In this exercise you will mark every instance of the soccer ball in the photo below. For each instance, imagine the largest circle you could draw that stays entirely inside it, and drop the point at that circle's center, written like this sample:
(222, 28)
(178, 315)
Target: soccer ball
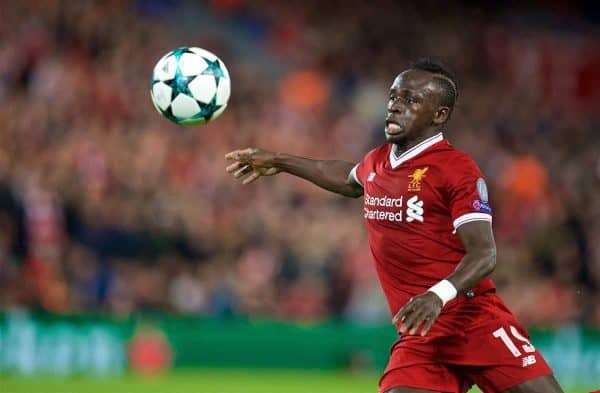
(190, 86)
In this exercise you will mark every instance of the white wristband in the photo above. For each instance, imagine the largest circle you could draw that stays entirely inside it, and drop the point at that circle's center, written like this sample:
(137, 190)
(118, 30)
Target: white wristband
(445, 291)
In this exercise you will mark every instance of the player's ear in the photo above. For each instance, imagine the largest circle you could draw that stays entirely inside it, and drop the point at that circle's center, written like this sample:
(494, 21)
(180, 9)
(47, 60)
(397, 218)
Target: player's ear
(441, 115)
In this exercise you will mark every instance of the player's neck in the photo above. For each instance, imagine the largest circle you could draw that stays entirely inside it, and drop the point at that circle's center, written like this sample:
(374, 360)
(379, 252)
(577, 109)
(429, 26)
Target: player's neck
(410, 143)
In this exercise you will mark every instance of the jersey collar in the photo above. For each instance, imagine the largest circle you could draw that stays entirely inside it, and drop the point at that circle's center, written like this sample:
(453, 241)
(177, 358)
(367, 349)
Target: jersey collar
(413, 151)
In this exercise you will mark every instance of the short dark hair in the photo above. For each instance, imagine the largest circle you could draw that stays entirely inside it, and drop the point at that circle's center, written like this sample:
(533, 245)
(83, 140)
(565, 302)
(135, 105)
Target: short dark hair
(445, 77)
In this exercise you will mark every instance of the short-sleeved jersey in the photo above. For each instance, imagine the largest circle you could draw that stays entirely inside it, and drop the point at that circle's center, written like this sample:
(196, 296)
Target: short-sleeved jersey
(413, 204)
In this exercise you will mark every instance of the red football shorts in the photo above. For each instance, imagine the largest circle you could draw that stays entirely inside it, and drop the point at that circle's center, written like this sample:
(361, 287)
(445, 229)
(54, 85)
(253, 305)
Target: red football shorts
(474, 341)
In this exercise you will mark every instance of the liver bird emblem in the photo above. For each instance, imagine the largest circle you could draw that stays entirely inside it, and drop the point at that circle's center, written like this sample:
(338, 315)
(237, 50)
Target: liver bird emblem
(417, 176)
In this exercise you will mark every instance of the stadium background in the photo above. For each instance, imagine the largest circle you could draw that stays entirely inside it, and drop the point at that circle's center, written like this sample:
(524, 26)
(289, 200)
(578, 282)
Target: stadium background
(126, 251)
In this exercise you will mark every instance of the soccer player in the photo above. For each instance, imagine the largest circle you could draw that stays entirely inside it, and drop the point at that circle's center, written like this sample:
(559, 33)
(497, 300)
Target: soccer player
(429, 226)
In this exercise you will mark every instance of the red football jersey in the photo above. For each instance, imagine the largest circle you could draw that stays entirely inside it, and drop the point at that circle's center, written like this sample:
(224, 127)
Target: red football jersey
(413, 204)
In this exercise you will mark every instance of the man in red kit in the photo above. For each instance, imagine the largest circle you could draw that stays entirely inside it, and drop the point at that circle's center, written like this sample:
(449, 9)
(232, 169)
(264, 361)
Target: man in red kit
(429, 225)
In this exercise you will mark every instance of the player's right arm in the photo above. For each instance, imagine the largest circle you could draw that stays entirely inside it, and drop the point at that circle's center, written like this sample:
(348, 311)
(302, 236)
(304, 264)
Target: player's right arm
(332, 175)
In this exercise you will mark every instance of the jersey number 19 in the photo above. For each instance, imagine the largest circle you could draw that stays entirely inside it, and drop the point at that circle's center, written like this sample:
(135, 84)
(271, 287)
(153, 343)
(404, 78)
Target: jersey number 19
(503, 335)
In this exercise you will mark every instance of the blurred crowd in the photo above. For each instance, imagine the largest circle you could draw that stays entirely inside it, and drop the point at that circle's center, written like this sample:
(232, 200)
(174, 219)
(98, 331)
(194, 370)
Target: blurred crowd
(107, 207)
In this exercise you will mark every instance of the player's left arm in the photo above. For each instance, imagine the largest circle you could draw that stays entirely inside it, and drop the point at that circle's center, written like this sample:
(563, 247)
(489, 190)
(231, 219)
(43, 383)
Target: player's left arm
(480, 258)
(472, 220)
(479, 262)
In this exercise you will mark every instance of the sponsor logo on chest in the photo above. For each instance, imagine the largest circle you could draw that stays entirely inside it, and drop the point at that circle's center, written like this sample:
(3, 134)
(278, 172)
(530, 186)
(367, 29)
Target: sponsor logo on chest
(396, 208)
(387, 208)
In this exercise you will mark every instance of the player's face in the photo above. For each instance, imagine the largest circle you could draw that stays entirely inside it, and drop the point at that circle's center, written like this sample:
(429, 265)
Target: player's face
(413, 106)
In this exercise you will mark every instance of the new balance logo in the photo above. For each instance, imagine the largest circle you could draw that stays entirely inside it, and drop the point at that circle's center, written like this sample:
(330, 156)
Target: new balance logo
(529, 360)
(371, 176)
(414, 209)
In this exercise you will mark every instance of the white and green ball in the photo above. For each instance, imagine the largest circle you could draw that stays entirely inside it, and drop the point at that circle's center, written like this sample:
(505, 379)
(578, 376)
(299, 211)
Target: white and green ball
(190, 86)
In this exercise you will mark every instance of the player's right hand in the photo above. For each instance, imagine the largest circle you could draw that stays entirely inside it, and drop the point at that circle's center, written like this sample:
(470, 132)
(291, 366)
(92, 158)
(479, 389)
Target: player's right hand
(251, 163)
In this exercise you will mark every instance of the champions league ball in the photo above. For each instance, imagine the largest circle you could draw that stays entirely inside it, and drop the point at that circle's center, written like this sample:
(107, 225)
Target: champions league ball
(190, 86)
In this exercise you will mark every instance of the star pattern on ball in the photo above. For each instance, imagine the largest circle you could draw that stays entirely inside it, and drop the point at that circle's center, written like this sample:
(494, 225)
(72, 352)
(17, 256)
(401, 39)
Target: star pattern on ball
(207, 110)
(168, 113)
(213, 68)
(211, 107)
(180, 51)
(179, 84)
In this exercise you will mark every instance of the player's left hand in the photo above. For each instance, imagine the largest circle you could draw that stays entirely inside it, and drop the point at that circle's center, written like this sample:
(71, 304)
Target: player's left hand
(421, 309)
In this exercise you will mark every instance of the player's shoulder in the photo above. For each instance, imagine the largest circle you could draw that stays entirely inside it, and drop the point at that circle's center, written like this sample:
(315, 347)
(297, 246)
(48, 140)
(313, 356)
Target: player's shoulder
(378, 153)
(451, 158)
